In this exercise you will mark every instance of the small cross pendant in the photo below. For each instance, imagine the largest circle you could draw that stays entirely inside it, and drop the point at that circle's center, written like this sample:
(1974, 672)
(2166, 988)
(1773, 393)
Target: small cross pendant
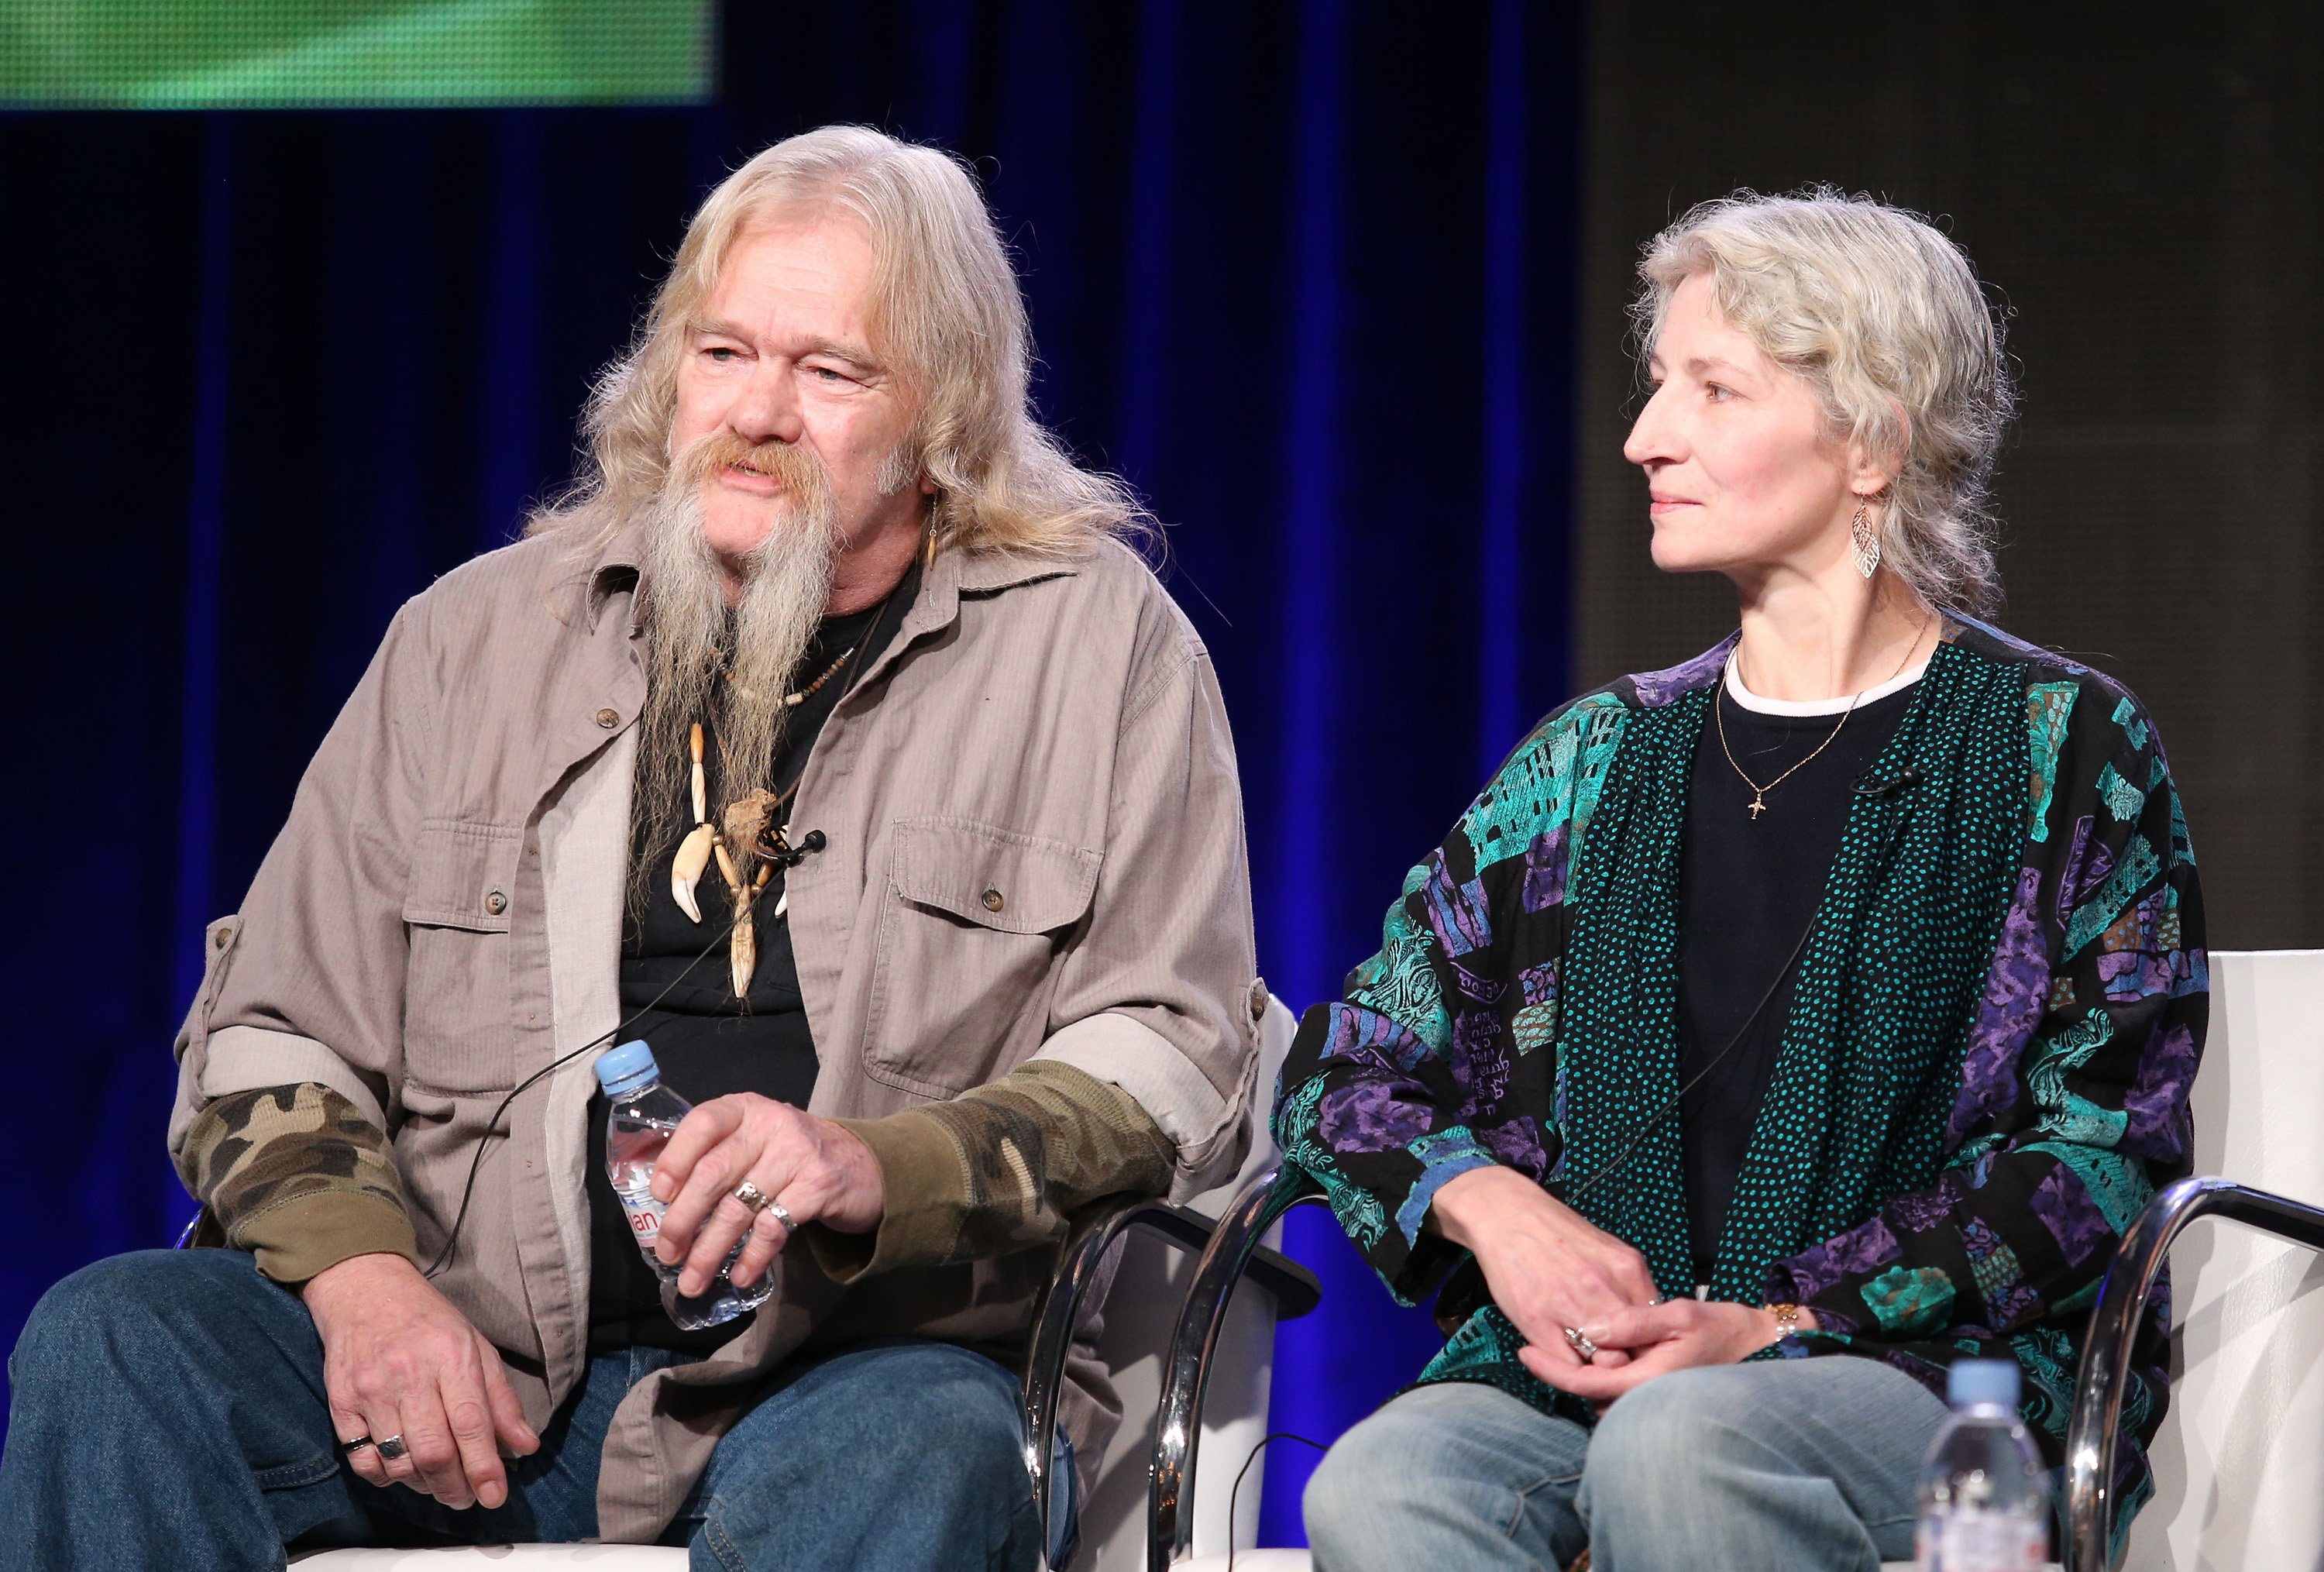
(1758, 806)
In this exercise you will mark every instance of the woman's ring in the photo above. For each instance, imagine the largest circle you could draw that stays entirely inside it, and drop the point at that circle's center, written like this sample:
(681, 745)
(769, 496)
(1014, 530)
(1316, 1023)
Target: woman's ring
(1579, 1341)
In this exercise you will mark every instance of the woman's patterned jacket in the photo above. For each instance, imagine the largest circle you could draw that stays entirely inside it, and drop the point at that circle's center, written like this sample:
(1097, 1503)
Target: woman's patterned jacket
(1983, 1079)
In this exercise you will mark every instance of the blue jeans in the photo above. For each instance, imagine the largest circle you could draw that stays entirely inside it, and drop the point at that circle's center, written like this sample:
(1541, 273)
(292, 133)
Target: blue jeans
(1807, 1462)
(167, 1409)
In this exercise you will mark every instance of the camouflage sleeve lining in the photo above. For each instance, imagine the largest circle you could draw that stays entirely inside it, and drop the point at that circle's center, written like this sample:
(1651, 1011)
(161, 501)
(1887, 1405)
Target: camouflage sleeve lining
(298, 1177)
(998, 1169)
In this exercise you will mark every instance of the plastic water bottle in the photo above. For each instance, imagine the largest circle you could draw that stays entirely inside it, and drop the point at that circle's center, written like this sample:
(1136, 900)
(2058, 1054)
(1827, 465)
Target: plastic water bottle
(1985, 1496)
(642, 1115)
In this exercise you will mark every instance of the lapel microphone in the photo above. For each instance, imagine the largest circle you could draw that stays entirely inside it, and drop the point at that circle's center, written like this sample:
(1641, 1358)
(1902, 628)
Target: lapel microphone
(1907, 780)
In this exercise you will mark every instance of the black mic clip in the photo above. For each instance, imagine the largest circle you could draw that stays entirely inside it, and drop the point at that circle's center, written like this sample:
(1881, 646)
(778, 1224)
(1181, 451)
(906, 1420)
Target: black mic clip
(778, 851)
(1907, 780)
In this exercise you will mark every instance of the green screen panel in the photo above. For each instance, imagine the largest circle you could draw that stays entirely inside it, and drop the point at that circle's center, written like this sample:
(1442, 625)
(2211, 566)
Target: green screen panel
(214, 54)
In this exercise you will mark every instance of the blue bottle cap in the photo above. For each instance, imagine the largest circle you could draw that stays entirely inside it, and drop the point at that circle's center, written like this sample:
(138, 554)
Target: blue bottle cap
(621, 1069)
(1983, 1380)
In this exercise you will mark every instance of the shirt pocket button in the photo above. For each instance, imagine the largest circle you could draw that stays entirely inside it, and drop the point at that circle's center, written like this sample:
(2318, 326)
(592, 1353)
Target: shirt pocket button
(993, 900)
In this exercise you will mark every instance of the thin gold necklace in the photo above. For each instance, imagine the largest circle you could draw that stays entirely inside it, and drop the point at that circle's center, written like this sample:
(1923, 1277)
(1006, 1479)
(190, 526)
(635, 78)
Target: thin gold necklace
(1758, 804)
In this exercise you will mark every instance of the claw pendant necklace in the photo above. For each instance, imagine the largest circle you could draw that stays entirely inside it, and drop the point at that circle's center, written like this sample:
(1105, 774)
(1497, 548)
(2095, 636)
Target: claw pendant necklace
(750, 826)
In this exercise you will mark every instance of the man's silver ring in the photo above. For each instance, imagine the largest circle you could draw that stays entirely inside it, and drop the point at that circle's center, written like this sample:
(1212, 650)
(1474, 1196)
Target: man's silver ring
(1579, 1341)
(757, 1201)
(392, 1447)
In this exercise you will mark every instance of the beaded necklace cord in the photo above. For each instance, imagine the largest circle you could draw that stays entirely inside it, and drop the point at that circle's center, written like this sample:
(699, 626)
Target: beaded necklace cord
(793, 700)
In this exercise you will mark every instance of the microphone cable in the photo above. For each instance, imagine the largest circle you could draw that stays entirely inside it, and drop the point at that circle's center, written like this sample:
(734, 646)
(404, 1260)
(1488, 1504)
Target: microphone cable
(1235, 1495)
(492, 1126)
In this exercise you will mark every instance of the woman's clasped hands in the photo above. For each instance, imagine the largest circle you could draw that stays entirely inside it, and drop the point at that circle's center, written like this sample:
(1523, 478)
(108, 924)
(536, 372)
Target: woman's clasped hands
(1551, 1272)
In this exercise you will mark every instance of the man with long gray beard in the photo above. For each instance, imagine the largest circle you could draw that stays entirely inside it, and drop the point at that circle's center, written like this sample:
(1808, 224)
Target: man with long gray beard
(829, 739)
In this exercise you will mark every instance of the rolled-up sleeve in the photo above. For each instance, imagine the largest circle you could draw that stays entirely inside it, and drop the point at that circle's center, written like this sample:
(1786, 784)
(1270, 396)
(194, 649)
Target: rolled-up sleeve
(1157, 995)
(306, 983)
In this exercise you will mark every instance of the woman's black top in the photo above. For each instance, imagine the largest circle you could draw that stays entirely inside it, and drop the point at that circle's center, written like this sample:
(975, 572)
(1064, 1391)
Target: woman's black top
(707, 1042)
(1748, 888)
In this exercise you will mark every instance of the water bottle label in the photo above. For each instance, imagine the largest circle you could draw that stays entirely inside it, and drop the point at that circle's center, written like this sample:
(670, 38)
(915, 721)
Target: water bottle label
(645, 1215)
(1965, 1540)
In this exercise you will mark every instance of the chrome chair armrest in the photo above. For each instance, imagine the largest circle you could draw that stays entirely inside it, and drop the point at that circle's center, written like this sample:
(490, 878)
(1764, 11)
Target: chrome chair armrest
(2105, 1371)
(1178, 1424)
(1096, 1232)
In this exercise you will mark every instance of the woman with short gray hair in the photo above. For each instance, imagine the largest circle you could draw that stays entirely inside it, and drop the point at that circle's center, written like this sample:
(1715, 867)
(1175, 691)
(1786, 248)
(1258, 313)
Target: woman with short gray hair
(1780, 1029)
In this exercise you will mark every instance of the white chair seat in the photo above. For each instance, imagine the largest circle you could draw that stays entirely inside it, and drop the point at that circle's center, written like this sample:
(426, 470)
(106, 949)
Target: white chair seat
(501, 1558)
(1299, 1561)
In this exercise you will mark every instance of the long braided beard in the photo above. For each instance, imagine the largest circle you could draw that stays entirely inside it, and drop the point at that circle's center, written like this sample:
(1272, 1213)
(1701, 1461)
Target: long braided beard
(726, 666)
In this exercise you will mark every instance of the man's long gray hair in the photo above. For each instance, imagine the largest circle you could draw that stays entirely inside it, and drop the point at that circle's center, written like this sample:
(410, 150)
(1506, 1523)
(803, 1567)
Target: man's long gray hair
(726, 668)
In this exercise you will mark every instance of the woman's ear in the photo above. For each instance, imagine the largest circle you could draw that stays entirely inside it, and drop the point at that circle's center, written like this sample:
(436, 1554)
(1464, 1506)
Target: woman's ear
(1875, 459)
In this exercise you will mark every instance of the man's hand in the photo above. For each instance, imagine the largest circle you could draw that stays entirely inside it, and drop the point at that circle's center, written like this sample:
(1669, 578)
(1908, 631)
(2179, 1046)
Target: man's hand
(399, 1359)
(1547, 1268)
(819, 1171)
(1658, 1339)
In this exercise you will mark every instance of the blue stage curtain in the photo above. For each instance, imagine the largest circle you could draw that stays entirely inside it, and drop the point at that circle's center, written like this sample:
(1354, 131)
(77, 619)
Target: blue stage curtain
(1305, 273)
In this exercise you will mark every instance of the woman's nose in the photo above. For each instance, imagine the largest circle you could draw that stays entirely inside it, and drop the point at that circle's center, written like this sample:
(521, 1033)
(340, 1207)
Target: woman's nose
(1652, 440)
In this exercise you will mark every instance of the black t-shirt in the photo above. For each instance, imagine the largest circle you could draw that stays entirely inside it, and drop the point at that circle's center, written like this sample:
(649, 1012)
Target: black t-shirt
(707, 1042)
(1748, 888)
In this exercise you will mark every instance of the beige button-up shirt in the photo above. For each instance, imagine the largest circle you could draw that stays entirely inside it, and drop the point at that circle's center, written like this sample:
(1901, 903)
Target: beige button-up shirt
(1033, 848)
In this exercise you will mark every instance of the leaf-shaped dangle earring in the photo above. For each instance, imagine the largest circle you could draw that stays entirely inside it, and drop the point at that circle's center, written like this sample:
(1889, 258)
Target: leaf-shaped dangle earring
(1864, 535)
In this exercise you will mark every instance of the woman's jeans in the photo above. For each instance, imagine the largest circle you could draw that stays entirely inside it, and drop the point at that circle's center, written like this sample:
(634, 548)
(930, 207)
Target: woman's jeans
(1786, 1463)
(167, 1409)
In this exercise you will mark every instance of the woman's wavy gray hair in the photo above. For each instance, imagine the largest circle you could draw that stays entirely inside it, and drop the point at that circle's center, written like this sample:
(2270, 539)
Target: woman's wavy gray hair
(947, 315)
(1883, 315)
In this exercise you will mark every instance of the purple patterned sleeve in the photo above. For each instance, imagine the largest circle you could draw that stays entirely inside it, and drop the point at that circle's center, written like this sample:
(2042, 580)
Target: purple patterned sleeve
(2016, 990)
(1373, 1115)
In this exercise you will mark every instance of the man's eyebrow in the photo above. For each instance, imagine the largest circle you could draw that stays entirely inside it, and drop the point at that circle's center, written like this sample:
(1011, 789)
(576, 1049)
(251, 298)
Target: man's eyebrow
(855, 354)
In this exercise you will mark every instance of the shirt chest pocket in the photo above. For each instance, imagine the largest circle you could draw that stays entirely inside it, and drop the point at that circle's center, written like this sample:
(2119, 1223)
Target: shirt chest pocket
(976, 921)
(456, 911)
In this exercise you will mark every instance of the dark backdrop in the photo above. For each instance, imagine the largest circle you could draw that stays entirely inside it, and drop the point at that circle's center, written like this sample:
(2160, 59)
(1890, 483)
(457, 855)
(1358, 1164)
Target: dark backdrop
(2140, 185)
(1303, 271)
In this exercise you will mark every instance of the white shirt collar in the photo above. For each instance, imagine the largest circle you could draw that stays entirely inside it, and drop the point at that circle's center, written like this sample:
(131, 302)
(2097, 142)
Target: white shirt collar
(1747, 699)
